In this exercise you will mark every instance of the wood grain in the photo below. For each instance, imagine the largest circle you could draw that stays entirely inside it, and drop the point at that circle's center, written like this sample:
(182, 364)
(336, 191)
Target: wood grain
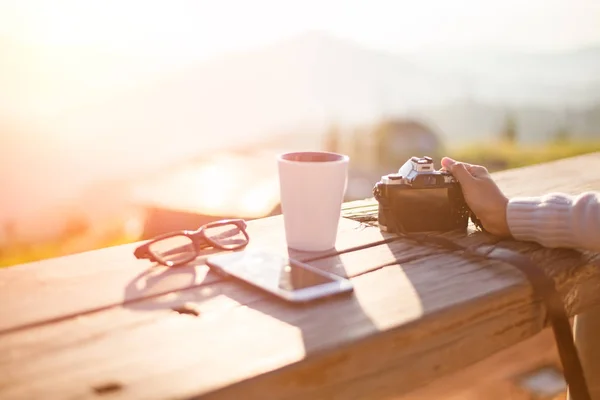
(497, 376)
(418, 313)
(63, 287)
(405, 326)
(239, 334)
(573, 175)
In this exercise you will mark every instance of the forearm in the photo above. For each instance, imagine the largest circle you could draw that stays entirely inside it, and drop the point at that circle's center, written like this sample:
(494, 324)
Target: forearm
(557, 220)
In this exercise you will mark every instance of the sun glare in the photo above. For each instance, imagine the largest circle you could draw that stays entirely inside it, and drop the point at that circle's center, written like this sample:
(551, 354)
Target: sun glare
(96, 91)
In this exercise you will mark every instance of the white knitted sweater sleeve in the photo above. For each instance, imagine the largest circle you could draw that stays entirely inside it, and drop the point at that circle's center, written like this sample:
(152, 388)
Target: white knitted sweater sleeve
(557, 220)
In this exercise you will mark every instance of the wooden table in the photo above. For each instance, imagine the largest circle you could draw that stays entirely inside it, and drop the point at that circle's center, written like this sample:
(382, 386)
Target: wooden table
(102, 324)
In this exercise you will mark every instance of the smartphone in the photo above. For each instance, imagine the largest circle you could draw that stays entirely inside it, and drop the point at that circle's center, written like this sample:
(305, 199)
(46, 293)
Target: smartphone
(286, 278)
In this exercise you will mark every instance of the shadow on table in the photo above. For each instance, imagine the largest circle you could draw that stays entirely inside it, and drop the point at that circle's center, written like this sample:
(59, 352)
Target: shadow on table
(160, 287)
(322, 323)
(388, 293)
(399, 291)
(394, 294)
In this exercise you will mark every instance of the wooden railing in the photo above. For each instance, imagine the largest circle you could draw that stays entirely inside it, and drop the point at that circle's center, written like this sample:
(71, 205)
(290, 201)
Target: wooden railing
(103, 323)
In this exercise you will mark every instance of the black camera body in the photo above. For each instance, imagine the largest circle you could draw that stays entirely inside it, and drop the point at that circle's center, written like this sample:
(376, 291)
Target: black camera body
(420, 199)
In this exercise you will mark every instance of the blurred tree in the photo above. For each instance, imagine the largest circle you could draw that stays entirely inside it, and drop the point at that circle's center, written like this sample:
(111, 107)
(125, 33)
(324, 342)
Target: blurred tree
(10, 231)
(562, 135)
(509, 132)
(76, 225)
(398, 139)
(381, 133)
(332, 139)
(356, 148)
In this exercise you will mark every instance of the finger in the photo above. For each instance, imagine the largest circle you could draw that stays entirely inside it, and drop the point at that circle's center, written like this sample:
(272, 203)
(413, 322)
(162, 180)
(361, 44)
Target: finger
(461, 173)
(459, 170)
(447, 162)
(478, 171)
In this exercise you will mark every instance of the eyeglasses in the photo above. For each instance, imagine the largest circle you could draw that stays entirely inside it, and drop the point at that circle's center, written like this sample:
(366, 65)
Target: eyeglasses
(180, 247)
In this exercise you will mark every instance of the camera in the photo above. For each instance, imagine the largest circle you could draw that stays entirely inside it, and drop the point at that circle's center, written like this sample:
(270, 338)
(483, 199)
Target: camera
(420, 199)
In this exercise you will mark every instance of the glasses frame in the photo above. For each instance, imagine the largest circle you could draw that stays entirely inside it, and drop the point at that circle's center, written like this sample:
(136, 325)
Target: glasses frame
(199, 241)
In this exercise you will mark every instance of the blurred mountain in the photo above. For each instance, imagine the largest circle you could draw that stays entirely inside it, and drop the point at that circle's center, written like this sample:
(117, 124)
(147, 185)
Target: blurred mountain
(315, 79)
(74, 118)
(311, 80)
(557, 79)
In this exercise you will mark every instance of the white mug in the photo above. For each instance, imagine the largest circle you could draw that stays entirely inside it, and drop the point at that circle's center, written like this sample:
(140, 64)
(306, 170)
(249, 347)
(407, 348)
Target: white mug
(312, 188)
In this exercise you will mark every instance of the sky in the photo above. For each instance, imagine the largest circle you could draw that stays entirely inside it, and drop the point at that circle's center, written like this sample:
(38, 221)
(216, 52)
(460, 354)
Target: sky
(185, 29)
(124, 43)
(56, 55)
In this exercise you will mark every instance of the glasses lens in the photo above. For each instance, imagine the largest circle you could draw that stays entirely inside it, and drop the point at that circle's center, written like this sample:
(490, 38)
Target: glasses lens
(174, 250)
(228, 236)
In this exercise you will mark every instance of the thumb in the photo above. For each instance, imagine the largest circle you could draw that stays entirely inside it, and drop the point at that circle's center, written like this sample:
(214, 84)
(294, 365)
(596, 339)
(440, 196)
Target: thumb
(458, 170)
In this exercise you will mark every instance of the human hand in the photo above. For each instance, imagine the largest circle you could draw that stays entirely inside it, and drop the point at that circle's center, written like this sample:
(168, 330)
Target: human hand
(482, 195)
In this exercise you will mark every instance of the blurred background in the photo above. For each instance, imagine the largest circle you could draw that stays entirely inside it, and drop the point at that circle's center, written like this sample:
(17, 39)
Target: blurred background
(123, 119)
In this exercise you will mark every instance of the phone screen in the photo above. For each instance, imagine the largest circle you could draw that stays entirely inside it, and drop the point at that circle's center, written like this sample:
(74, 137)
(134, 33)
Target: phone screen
(270, 270)
(293, 277)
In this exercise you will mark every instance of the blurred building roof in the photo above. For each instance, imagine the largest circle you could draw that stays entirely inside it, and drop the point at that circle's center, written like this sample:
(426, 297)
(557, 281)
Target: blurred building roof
(226, 184)
(244, 185)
